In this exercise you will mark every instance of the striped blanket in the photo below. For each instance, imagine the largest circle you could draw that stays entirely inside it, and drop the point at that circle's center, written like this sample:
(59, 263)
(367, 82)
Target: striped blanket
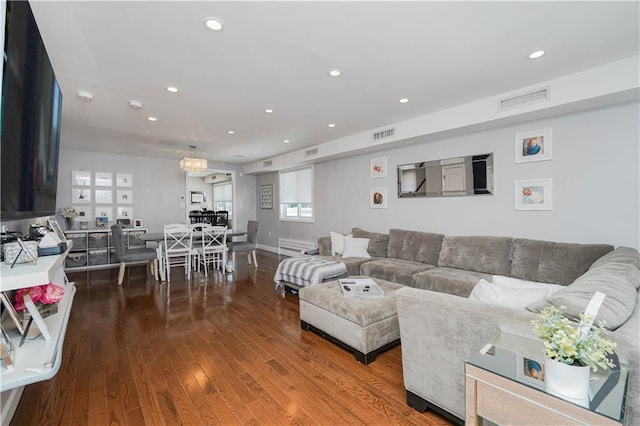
(304, 271)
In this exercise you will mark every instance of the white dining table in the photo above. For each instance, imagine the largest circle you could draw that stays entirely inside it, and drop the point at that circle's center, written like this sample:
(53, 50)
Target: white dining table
(159, 238)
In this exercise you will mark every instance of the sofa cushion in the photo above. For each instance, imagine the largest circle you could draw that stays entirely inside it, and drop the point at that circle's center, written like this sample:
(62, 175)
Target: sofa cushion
(413, 245)
(551, 262)
(356, 247)
(337, 243)
(518, 283)
(448, 280)
(510, 297)
(378, 243)
(619, 255)
(395, 270)
(352, 263)
(491, 255)
(618, 281)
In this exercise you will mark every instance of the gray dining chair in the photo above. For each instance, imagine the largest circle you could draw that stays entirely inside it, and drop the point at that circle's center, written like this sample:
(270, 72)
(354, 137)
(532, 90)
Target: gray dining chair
(130, 255)
(248, 246)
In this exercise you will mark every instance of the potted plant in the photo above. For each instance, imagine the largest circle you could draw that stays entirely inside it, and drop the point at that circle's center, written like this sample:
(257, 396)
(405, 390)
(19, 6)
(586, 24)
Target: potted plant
(572, 350)
(69, 214)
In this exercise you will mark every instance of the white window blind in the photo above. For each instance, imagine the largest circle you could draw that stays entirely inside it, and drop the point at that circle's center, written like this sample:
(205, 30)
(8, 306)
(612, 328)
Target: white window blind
(296, 194)
(223, 197)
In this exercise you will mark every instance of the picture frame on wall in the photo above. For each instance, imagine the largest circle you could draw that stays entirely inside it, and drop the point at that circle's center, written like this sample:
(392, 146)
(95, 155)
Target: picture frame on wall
(137, 223)
(124, 196)
(79, 195)
(104, 196)
(533, 194)
(85, 213)
(378, 168)
(80, 178)
(104, 179)
(124, 213)
(266, 196)
(105, 211)
(124, 180)
(378, 198)
(535, 145)
(198, 197)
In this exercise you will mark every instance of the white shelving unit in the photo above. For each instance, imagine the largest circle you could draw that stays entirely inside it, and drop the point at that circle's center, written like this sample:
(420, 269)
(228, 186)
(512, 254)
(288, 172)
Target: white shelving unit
(36, 360)
(93, 248)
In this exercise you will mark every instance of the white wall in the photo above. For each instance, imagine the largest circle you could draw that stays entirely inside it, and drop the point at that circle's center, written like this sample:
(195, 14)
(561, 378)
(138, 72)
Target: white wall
(595, 186)
(158, 185)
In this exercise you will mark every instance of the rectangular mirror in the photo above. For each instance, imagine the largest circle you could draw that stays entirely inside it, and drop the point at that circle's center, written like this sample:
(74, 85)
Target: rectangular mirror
(450, 177)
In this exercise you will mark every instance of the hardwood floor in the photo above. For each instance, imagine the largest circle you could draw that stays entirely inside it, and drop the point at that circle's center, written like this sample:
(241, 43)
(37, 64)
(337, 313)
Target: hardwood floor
(219, 350)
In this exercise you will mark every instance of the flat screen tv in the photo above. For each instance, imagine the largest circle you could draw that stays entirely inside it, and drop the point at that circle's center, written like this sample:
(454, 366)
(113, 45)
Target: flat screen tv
(30, 118)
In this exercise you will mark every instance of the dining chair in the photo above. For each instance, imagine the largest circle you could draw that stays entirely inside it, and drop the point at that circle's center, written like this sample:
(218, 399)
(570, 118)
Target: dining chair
(178, 248)
(211, 247)
(130, 255)
(248, 246)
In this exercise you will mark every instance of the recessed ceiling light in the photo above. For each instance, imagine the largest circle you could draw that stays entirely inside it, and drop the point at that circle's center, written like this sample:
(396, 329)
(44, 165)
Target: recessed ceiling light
(536, 54)
(332, 125)
(286, 141)
(172, 89)
(213, 24)
(135, 104)
(231, 132)
(152, 119)
(335, 73)
(239, 156)
(268, 111)
(403, 100)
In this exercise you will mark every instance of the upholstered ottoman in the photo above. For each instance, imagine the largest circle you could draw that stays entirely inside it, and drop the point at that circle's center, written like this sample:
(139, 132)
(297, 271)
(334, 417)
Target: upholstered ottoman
(366, 326)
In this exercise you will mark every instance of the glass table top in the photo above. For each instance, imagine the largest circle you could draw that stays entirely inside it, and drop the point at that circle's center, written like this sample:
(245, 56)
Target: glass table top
(522, 360)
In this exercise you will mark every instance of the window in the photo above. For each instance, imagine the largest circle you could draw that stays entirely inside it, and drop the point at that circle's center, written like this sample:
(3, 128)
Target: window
(223, 197)
(296, 195)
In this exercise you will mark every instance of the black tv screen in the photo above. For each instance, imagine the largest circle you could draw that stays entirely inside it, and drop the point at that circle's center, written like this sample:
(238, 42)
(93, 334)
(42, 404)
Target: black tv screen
(30, 116)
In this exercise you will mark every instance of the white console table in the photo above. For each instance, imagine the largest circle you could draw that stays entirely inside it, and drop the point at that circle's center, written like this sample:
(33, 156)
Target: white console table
(37, 359)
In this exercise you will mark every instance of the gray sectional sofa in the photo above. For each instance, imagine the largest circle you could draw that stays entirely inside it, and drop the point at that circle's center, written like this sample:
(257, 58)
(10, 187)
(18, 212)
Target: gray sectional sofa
(440, 327)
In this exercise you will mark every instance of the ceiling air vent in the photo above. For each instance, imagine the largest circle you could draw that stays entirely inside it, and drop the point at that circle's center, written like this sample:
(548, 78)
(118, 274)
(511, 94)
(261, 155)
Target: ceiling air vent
(383, 134)
(311, 152)
(267, 163)
(538, 95)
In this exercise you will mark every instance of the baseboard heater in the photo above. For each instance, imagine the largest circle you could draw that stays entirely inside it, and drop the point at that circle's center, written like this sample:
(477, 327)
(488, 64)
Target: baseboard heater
(289, 247)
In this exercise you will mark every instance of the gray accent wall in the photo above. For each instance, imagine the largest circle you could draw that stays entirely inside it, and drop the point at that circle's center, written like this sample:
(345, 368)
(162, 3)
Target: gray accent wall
(595, 186)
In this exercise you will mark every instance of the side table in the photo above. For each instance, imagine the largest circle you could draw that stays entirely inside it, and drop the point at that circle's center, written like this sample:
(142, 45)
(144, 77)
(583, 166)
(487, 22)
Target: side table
(499, 391)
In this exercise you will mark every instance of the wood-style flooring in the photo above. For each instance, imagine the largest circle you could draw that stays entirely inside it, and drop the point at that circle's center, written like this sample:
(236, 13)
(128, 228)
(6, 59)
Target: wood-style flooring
(219, 350)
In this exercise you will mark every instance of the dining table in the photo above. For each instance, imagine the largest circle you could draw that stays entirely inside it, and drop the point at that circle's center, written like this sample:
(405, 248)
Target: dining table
(159, 238)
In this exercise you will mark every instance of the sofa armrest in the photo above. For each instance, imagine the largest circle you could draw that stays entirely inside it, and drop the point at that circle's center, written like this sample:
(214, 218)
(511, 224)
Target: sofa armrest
(324, 246)
(439, 332)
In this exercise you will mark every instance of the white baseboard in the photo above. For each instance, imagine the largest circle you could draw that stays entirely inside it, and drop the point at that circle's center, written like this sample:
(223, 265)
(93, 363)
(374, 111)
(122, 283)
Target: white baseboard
(268, 248)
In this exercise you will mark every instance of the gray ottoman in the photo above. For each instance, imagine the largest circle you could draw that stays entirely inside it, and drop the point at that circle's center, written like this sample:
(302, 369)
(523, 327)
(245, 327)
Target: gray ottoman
(366, 326)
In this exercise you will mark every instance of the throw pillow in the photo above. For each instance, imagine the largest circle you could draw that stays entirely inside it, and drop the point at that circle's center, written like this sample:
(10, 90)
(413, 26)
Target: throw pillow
(356, 247)
(515, 298)
(617, 280)
(518, 283)
(337, 243)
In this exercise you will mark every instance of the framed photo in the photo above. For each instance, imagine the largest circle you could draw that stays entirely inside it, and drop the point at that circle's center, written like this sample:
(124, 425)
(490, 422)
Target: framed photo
(124, 196)
(124, 180)
(104, 196)
(266, 196)
(137, 223)
(530, 371)
(124, 222)
(53, 224)
(378, 167)
(102, 222)
(533, 194)
(85, 213)
(378, 198)
(198, 197)
(533, 146)
(124, 213)
(105, 211)
(104, 179)
(81, 195)
(79, 178)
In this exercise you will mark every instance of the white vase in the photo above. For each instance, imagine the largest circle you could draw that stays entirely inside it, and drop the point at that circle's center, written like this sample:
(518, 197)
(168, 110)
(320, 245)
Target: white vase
(569, 382)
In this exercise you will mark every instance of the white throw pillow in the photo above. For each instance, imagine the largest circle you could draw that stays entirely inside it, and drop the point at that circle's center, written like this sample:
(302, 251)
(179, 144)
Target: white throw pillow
(518, 283)
(516, 298)
(337, 243)
(356, 247)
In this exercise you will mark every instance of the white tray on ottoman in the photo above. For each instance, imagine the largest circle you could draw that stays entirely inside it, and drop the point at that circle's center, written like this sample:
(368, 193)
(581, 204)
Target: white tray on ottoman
(366, 326)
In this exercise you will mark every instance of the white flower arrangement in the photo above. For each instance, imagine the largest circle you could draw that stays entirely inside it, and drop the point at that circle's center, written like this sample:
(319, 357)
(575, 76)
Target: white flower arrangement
(563, 341)
(68, 212)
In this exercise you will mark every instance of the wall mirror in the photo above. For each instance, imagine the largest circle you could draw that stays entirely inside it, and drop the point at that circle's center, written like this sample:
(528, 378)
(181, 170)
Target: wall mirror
(449, 177)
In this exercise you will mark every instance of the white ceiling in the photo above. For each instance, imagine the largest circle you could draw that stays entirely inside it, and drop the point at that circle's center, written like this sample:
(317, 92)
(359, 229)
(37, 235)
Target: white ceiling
(277, 55)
